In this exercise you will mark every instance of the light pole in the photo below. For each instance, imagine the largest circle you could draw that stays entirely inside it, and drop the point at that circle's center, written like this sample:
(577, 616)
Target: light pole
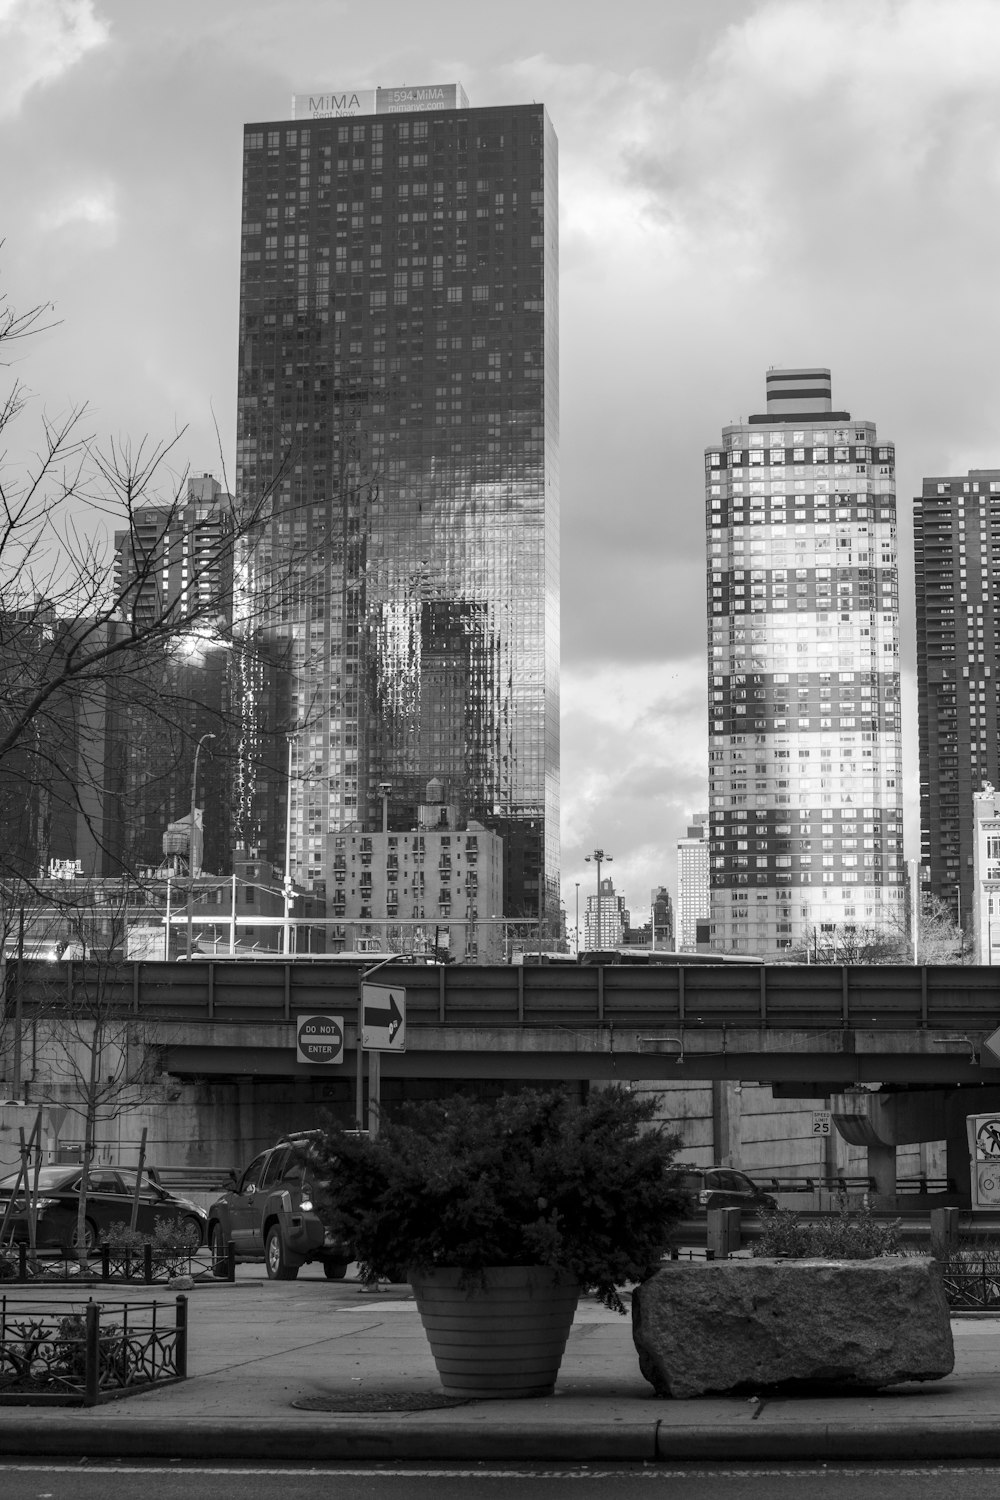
(194, 790)
(578, 919)
(598, 857)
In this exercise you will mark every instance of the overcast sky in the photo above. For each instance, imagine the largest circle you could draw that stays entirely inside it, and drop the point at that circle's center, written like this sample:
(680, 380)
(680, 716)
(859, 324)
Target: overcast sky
(742, 185)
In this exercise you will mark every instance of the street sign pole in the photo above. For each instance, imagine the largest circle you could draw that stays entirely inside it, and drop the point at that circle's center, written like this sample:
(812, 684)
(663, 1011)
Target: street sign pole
(393, 1020)
(374, 1092)
(359, 1082)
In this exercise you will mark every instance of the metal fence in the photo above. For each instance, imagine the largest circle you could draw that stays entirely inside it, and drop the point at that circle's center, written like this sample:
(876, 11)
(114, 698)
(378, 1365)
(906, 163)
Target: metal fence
(73, 1354)
(972, 1285)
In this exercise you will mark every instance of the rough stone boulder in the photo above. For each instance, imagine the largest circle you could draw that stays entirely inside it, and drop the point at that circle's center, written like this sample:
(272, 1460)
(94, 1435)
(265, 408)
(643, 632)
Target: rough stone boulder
(740, 1325)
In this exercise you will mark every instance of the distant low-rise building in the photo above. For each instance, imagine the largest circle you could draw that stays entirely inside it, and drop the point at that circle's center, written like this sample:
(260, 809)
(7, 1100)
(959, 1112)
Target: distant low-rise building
(426, 891)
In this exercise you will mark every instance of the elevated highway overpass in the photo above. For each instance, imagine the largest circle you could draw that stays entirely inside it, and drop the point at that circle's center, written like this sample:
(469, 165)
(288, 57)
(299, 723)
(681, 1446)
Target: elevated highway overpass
(898, 1051)
(827, 1028)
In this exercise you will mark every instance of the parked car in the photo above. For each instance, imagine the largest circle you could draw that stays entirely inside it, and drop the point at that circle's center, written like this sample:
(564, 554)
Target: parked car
(109, 1201)
(270, 1214)
(724, 1187)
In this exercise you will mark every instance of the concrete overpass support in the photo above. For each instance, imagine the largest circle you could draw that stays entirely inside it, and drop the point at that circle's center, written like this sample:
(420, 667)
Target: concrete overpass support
(726, 1121)
(883, 1121)
(882, 1167)
(961, 1103)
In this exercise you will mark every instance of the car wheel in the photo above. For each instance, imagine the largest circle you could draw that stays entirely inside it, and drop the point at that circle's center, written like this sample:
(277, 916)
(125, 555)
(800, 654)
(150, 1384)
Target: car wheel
(335, 1270)
(191, 1223)
(220, 1251)
(89, 1240)
(274, 1257)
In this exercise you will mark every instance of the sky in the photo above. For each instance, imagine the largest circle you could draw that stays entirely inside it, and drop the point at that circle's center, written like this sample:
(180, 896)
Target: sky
(743, 183)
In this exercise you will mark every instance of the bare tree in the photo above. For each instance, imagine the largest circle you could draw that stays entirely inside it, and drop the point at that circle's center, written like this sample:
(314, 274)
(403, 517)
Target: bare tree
(112, 578)
(846, 943)
(939, 940)
(93, 1059)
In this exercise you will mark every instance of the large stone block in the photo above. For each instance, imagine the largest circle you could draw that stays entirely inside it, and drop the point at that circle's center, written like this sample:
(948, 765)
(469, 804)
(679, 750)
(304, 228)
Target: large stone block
(740, 1325)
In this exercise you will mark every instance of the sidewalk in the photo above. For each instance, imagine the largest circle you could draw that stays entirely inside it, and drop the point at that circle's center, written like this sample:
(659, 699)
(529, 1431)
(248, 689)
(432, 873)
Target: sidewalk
(256, 1347)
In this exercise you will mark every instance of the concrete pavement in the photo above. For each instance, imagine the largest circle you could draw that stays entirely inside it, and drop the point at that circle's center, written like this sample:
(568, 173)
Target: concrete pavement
(257, 1347)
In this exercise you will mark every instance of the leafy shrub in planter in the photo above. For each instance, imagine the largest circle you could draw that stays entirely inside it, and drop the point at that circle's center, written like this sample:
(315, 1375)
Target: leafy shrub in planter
(530, 1178)
(173, 1244)
(852, 1235)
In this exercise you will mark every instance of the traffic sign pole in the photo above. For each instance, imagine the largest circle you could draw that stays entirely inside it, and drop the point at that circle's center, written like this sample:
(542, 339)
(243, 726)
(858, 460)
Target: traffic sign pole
(359, 1079)
(374, 1092)
(383, 1013)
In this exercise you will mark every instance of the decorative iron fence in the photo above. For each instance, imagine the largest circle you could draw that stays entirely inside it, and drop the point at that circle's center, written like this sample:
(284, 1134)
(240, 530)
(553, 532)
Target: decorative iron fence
(74, 1354)
(145, 1264)
(972, 1285)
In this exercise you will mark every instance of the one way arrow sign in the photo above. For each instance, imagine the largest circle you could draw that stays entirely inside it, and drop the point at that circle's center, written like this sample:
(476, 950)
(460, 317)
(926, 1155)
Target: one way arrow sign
(383, 1018)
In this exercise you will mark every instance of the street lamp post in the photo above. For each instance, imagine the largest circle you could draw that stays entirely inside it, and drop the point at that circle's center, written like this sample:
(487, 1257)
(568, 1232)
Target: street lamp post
(598, 857)
(578, 919)
(194, 791)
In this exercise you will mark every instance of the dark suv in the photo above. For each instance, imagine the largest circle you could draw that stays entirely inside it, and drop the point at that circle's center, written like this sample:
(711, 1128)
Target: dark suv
(270, 1215)
(724, 1187)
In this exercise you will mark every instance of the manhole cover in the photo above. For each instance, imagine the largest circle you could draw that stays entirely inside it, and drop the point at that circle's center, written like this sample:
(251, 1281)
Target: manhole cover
(378, 1401)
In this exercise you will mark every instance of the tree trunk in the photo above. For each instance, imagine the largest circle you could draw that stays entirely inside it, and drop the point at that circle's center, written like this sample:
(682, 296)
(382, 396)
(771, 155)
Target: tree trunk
(89, 1132)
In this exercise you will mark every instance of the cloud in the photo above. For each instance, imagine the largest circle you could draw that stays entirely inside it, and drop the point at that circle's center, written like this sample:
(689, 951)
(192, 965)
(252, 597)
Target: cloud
(92, 209)
(40, 40)
(828, 138)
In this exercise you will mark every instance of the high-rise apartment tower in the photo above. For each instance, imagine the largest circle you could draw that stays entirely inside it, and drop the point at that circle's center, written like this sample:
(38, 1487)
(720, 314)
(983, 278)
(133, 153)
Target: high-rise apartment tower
(399, 394)
(692, 883)
(805, 756)
(956, 538)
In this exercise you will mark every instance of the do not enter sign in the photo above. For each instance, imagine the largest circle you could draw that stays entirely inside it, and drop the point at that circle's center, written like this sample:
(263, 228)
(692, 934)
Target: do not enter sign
(319, 1039)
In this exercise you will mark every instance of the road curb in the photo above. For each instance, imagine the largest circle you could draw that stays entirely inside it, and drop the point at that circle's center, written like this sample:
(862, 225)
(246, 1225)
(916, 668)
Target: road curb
(374, 1438)
(840, 1442)
(381, 1438)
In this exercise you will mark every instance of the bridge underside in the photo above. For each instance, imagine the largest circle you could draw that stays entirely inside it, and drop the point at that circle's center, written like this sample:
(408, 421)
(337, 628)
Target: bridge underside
(810, 1064)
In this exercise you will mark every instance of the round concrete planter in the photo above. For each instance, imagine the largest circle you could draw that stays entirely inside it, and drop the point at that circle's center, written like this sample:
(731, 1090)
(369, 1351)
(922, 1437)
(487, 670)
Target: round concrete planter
(503, 1333)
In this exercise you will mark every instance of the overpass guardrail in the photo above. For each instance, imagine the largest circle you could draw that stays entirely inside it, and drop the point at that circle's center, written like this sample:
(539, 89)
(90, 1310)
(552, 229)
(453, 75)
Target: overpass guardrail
(667, 999)
(811, 1182)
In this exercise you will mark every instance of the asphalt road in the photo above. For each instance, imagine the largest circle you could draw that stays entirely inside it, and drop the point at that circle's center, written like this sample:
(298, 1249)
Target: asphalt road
(120, 1481)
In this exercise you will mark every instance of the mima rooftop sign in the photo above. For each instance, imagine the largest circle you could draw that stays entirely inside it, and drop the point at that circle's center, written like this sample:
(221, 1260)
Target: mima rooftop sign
(338, 104)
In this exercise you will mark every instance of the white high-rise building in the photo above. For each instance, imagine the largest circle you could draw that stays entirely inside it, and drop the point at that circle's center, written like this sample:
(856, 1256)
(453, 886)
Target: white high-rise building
(605, 918)
(805, 771)
(692, 883)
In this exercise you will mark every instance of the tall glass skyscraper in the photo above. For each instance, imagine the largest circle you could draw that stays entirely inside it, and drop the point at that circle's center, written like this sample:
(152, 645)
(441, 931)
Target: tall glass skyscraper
(805, 770)
(399, 394)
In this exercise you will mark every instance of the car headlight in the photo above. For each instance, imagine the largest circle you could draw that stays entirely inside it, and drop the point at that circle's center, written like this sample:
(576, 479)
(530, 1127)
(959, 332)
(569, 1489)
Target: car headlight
(306, 1204)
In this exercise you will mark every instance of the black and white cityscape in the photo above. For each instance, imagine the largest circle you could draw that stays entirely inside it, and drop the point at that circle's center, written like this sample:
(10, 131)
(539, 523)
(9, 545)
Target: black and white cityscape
(540, 514)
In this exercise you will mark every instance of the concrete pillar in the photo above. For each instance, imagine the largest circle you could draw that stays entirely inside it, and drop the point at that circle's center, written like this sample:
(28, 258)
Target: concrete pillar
(882, 1166)
(961, 1102)
(726, 1122)
(247, 1146)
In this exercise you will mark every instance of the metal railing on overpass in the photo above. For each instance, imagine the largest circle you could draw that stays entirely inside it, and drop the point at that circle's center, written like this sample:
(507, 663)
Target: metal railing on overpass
(669, 999)
(812, 1182)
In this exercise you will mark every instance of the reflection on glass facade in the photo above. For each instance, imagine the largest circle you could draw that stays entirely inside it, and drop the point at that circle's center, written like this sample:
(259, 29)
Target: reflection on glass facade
(805, 754)
(399, 390)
